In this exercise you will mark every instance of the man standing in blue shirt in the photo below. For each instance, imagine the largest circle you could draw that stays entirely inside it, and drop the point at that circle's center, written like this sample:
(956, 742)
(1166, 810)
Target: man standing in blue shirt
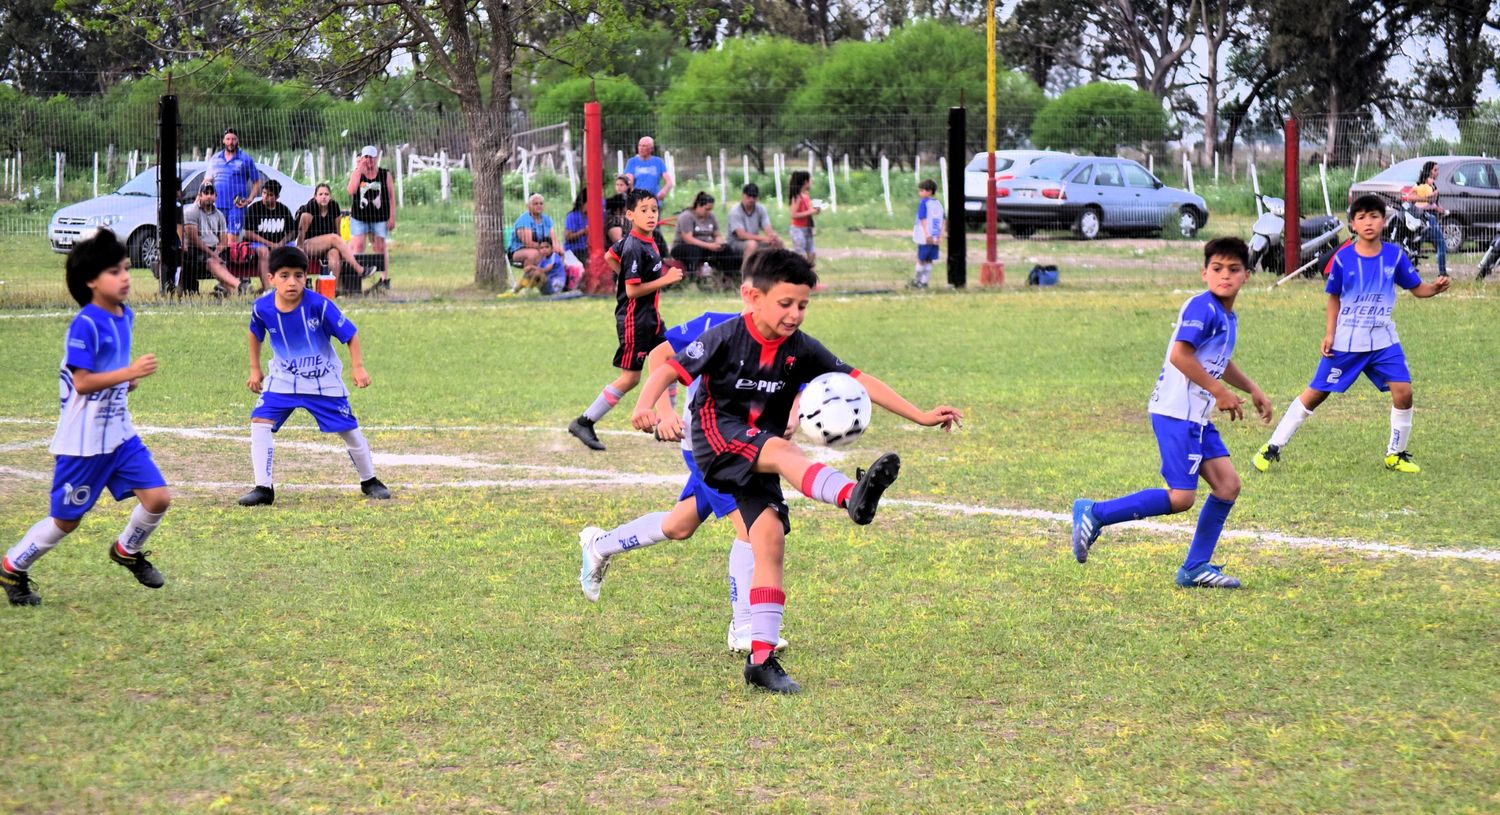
(236, 180)
(650, 172)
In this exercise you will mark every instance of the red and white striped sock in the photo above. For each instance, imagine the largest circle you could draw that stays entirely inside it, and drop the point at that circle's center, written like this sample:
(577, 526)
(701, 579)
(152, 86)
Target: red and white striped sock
(767, 605)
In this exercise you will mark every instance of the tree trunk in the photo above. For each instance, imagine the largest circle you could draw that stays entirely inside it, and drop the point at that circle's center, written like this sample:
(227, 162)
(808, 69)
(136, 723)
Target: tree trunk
(489, 148)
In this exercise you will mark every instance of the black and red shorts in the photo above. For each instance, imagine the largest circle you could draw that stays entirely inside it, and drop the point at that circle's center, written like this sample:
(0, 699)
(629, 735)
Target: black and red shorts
(725, 449)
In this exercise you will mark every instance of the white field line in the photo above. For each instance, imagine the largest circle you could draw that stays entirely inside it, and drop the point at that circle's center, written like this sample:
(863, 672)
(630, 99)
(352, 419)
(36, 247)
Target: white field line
(584, 477)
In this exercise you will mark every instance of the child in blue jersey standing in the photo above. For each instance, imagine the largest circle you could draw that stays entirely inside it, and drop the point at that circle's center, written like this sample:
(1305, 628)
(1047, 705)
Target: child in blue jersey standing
(305, 372)
(1361, 333)
(96, 446)
(927, 233)
(1192, 385)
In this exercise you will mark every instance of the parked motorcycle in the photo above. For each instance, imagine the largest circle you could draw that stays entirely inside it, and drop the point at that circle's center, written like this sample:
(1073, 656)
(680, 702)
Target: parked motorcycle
(1406, 226)
(1320, 238)
(1490, 260)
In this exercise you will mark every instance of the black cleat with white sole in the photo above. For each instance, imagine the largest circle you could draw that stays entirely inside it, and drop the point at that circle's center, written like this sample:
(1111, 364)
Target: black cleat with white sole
(870, 485)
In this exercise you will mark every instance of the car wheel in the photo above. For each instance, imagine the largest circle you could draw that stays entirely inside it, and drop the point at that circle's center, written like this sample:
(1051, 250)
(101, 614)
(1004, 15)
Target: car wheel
(1453, 234)
(1090, 224)
(1023, 231)
(144, 249)
(1187, 222)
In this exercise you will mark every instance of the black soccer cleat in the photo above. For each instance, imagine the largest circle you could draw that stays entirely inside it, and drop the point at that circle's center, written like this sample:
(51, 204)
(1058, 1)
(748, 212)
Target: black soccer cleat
(258, 497)
(770, 676)
(583, 428)
(18, 588)
(870, 486)
(138, 566)
(373, 488)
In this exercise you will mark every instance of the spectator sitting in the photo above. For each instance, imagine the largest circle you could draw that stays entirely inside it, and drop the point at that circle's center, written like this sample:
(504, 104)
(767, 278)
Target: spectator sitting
(530, 227)
(615, 206)
(698, 243)
(268, 226)
(576, 227)
(546, 274)
(318, 232)
(203, 229)
(750, 225)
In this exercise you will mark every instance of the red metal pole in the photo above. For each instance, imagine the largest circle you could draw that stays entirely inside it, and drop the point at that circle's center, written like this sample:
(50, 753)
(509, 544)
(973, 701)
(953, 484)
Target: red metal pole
(989, 210)
(596, 277)
(1292, 237)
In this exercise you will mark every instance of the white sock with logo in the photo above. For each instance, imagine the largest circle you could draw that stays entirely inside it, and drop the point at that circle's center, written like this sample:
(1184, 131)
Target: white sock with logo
(359, 453)
(1295, 415)
(38, 540)
(138, 529)
(1400, 431)
(262, 452)
(643, 531)
(741, 567)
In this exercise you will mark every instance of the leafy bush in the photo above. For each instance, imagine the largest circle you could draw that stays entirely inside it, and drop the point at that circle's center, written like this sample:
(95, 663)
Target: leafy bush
(626, 111)
(1098, 118)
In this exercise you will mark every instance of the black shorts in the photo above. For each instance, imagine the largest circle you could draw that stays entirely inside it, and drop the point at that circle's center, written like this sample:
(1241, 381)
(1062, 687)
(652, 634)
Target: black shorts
(725, 451)
(636, 341)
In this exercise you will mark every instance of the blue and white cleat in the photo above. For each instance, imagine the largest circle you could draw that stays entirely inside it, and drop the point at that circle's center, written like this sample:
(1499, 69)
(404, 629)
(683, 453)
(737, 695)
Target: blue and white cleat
(591, 575)
(1085, 528)
(1207, 576)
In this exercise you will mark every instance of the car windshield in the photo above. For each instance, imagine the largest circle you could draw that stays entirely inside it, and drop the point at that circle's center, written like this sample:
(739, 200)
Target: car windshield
(1404, 172)
(981, 165)
(143, 184)
(1052, 170)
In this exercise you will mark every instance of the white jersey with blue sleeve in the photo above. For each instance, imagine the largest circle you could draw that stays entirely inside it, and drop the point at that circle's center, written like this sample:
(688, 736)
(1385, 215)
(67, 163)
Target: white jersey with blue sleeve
(303, 362)
(1205, 324)
(1366, 288)
(96, 423)
(929, 221)
(680, 337)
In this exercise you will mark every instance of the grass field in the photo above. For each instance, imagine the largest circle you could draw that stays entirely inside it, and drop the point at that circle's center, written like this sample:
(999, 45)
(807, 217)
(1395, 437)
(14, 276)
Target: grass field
(434, 654)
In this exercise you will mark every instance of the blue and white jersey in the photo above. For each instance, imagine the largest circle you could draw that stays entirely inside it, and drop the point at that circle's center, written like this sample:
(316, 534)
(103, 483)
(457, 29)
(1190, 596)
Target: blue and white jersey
(681, 336)
(96, 423)
(1366, 288)
(231, 177)
(929, 221)
(303, 361)
(1203, 323)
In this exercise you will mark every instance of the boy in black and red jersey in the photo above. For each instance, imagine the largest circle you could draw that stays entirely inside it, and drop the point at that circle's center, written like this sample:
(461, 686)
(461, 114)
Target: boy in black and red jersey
(641, 276)
(750, 371)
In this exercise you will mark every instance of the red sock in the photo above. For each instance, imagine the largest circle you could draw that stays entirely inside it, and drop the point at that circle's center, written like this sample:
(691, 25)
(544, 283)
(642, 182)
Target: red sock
(844, 494)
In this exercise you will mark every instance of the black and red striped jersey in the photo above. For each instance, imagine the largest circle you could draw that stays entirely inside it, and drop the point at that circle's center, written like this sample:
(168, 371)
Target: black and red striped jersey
(640, 262)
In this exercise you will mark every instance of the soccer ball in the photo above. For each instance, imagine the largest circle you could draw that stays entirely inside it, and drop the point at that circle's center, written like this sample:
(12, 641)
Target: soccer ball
(835, 410)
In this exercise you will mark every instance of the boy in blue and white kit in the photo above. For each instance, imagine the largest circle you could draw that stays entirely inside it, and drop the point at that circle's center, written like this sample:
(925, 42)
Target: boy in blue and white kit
(926, 232)
(95, 444)
(1361, 334)
(697, 503)
(304, 373)
(1190, 387)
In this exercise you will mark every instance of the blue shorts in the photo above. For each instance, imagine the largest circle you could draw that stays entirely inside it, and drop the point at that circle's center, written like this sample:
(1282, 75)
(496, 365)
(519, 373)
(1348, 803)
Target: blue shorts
(1184, 447)
(78, 481)
(376, 228)
(927, 252)
(1336, 373)
(710, 500)
(234, 219)
(331, 412)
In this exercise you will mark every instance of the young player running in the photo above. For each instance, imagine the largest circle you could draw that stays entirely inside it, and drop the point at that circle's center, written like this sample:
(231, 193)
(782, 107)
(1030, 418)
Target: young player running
(1361, 334)
(95, 444)
(1188, 389)
(641, 277)
(751, 370)
(305, 373)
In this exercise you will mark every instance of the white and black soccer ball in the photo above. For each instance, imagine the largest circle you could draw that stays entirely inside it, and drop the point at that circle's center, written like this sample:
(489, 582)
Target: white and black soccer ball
(835, 410)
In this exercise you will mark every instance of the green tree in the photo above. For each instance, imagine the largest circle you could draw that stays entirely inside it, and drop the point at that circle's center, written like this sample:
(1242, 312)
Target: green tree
(627, 111)
(1098, 118)
(735, 97)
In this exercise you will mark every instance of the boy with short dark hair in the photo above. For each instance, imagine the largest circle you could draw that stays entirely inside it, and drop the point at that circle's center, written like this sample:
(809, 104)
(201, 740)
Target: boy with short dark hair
(1189, 388)
(640, 277)
(1361, 333)
(305, 372)
(927, 232)
(751, 370)
(95, 444)
(546, 274)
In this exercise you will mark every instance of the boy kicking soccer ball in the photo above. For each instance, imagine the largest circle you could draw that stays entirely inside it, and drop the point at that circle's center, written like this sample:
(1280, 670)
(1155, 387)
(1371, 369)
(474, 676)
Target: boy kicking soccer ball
(95, 444)
(1190, 386)
(1361, 334)
(751, 369)
(305, 373)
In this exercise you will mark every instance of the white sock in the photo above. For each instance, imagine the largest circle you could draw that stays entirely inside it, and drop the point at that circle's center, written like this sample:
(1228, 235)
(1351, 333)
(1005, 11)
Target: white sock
(41, 537)
(359, 453)
(1295, 415)
(643, 531)
(1400, 431)
(262, 452)
(741, 567)
(138, 529)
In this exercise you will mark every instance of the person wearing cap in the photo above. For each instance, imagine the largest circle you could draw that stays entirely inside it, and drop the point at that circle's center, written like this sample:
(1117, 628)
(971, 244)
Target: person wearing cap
(202, 244)
(233, 173)
(373, 211)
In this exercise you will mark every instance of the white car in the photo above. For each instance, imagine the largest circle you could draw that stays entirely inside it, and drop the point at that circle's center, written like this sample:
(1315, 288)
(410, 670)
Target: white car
(1008, 164)
(130, 211)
